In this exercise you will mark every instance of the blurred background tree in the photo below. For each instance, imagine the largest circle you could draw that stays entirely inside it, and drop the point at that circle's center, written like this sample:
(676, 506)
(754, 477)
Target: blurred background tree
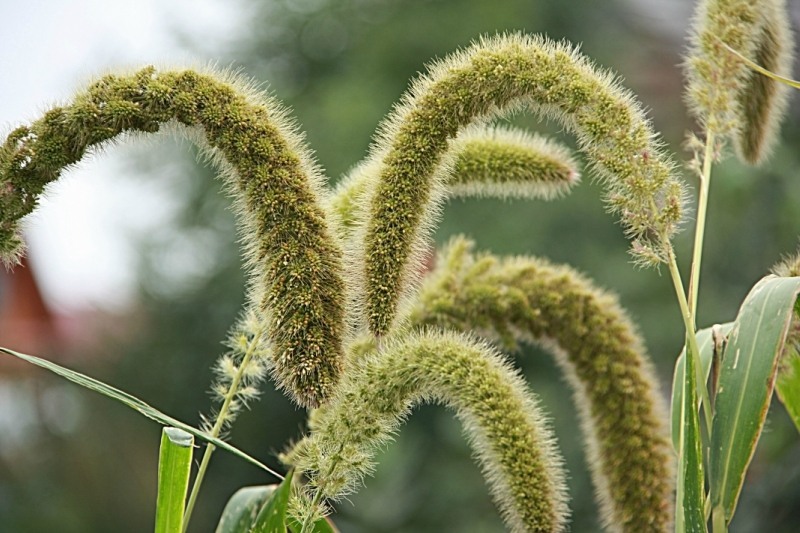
(340, 65)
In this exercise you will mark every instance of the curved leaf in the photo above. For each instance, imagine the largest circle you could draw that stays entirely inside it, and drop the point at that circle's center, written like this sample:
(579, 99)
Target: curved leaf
(788, 384)
(242, 509)
(706, 343)
(272, 516)
(746, 381)
(244, 506)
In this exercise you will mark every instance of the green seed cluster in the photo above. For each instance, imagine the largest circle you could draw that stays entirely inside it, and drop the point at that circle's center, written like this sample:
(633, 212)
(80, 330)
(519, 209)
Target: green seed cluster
(725, 95)
(506, 163)
(293, 255)
(763, 100)
(487, 161)
(512, 442)
(494, 76)
(622, 417)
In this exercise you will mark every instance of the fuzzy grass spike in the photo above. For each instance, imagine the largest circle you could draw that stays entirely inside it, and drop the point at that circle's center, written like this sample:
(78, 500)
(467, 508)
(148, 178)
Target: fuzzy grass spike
(763, 100)
(487, 161)
(495, 76)
(293, 255)
(622, 415)
(512, 442)
(728, 98)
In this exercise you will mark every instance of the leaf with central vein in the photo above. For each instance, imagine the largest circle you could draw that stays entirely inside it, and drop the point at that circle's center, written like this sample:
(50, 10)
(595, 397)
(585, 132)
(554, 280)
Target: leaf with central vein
(689, 512)
(746, 382)
(136, 404)
(706, 346)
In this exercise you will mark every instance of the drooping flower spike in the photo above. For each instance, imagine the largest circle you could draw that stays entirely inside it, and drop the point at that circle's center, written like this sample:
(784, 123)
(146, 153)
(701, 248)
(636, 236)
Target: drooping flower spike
(293, 254)
(623, 418)
(495, 76)
(511, 440)
(726, 96)
(483, 161)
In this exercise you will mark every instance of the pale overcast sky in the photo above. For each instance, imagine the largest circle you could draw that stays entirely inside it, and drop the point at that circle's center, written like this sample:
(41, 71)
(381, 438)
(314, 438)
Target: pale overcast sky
(48, 48)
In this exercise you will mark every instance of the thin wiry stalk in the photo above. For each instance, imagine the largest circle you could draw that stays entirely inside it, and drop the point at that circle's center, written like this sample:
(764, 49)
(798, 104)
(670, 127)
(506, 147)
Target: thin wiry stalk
(221, 421)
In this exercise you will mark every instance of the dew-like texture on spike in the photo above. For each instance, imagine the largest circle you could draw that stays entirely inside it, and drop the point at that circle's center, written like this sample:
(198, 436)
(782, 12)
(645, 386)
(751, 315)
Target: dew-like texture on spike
(495, 76)
(727, 97)
(622, 414)
(763, 100)
(512, 442)
(293, 256)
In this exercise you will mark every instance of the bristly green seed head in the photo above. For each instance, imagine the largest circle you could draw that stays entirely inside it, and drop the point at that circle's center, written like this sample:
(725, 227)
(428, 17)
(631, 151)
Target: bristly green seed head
(512, 441)
(293, 255)
(622, 414)
(483, 161)
(726, 97)
(787, 268)
(494, 76)
(501, 162)
(763, 100)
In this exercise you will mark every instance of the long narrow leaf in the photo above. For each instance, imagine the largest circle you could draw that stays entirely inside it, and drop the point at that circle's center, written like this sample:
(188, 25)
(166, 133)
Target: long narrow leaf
(689, 511)
(135, 404)
(705, 343)
(788, 384)
(174, 467)
(746, 382)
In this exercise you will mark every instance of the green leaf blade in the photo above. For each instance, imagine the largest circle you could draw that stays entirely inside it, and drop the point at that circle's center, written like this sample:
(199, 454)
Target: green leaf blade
(272, 517)
(690, 515)
(788, 384)
(242, 509)
(174, 467)
(705, 343)
(746, 381)
(136, 404)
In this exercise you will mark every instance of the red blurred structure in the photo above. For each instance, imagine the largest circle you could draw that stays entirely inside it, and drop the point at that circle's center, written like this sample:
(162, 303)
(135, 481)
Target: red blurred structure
(26, 323)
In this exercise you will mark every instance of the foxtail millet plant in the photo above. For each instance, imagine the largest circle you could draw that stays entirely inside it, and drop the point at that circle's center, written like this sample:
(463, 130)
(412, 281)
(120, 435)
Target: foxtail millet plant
(348, 320)
(292, 251)
(486, 161)
(729, 99)
(496, 76)
(523, 299)
(502, 421)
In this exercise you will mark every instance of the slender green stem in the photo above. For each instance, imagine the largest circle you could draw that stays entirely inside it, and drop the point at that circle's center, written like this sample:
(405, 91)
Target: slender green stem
(691, 339)
(700, 227)
(308, 520)
(218, 425)
(718, 520)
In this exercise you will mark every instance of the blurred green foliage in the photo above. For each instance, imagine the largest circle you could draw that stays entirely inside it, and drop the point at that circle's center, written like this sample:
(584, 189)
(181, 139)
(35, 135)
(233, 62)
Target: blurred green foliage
(341, 65)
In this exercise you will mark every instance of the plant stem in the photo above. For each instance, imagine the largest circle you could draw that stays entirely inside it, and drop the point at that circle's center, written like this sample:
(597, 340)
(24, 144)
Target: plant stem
(693, 358)
(218, 425)
(700, 227)
(718, 524)
(307, 521)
